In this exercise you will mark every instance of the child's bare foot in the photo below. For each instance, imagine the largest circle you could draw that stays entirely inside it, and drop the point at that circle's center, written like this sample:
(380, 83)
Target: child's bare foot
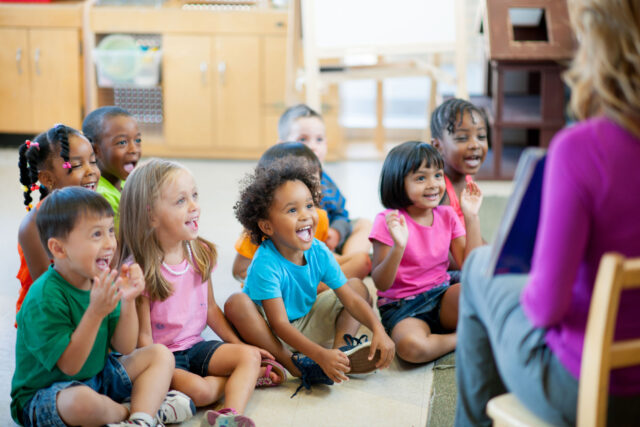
(272, 374)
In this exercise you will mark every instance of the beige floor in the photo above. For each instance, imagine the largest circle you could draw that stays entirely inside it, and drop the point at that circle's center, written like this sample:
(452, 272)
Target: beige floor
(398, 396)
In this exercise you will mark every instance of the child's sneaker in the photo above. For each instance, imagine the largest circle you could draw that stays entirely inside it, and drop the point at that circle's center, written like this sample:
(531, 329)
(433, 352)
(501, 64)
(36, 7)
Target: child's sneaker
(357, 350)
(227, 417)
(310, 372)
(131, 423)
(176, 408)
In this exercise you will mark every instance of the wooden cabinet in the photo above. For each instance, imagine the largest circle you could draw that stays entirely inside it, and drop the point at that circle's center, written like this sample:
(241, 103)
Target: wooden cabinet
(212, 94)
(223, 78)
(188, 92)
(40, 82)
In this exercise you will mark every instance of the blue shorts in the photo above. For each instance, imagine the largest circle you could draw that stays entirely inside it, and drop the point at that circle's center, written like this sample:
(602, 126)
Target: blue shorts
(196, 359)
(113, 381)
(424, 306)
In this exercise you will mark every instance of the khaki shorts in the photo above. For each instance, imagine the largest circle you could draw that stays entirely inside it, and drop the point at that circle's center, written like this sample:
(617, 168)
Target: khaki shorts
(319, 324)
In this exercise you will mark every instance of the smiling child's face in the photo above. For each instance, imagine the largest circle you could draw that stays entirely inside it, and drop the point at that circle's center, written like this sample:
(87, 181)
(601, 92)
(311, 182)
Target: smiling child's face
(292, 220)
(176, 213)
(425, 187)
(310, 131)
(464, 150)
(87, 250)
(119, 148)
(84, 170)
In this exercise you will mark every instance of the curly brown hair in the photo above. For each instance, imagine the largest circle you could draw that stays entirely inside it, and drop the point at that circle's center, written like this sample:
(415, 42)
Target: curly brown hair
(258, 188)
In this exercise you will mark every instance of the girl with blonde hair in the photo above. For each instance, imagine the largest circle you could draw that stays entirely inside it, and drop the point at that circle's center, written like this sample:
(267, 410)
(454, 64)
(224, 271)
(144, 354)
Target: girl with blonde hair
(524, 333)
(159, 226)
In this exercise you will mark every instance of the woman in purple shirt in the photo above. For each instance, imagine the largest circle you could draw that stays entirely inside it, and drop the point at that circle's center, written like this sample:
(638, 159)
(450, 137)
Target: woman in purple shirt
(524, 333)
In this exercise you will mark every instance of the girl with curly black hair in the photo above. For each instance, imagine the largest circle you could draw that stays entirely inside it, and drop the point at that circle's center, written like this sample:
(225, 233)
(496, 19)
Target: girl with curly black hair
(279, 309)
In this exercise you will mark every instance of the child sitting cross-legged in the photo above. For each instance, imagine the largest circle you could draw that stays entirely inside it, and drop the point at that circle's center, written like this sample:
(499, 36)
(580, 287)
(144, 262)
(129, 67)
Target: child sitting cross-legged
(73, 315)
(159, 230)
(277, 207)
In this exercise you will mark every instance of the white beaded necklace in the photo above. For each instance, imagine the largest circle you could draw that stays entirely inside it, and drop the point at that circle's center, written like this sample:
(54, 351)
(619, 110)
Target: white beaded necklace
(179, 273)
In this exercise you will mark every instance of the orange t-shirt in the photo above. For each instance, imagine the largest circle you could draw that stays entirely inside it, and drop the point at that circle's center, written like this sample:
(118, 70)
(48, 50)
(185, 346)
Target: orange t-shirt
(23, 275)
(247, 249)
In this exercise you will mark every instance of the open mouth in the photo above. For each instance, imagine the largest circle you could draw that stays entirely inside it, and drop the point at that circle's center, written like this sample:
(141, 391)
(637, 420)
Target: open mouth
(304, 233)
(103, 263)
(473, 161)
(192, 224)
(129, 167)
(90, 185)
(433, 197)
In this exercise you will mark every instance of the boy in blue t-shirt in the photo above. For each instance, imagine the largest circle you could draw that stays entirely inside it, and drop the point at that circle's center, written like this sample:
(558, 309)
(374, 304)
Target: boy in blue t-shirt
(73, 315)
(302, 124)
(277, 208)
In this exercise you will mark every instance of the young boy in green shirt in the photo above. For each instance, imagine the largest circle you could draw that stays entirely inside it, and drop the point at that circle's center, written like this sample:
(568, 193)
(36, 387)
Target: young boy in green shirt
(74, 314)
(117, 142)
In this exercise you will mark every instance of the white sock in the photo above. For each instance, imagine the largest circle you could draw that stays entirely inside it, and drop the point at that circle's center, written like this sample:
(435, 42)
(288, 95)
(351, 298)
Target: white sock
(143, 417)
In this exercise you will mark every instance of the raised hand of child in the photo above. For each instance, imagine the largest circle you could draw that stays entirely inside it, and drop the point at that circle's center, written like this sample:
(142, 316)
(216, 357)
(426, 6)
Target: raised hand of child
(104, 295)
(471, 199)
(397, 228)
(387, 348)
(335, 364)
(333, 238)
(130, 282)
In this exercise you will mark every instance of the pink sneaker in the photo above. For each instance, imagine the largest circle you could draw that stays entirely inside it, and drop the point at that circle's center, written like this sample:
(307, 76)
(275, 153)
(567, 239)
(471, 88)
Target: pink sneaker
(227, 417)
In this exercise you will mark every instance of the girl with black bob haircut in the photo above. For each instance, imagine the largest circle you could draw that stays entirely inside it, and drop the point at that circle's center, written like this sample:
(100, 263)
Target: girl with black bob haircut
(412, 240)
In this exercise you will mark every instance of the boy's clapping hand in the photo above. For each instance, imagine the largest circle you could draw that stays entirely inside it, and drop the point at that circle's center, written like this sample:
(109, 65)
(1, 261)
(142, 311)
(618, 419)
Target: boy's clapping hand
(104, 294)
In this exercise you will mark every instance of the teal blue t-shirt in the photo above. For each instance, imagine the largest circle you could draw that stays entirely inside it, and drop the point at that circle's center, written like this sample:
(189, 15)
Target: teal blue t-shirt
(50, 313)
(271, 275)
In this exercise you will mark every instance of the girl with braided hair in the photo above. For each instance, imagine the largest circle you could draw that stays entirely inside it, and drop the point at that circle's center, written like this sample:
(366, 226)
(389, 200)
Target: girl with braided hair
(459, 133)
(57, 158)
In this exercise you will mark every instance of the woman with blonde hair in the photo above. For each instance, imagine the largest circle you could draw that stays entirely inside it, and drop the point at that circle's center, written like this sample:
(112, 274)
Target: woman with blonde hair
(524, 333)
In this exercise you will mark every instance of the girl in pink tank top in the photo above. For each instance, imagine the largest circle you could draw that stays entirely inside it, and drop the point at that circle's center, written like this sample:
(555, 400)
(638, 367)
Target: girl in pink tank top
(159, 224)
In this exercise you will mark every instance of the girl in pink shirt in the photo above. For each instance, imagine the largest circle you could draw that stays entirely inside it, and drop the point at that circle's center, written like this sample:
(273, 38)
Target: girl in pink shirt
(411, 244)
(159, 230)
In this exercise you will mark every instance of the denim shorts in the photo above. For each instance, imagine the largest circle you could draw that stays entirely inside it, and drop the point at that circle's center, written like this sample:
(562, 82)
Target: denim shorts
(424, 306)
(196, 359)
(113, 381)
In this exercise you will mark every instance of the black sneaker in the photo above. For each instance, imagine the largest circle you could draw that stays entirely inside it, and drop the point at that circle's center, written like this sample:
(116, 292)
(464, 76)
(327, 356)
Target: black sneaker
(357, 350)
(310, 372)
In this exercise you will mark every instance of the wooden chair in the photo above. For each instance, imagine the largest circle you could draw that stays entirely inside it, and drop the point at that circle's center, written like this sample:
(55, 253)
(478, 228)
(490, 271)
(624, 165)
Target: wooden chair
(600, 354)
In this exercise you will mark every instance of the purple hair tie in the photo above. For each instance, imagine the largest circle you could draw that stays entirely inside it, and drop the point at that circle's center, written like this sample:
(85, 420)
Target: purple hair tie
(66, 165)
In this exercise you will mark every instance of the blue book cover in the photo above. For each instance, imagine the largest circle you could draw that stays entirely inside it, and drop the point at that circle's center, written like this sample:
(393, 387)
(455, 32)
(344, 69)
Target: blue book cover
(515, 239)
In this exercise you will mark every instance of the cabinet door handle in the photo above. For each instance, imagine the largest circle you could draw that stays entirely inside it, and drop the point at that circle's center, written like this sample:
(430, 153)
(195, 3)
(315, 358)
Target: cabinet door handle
(203, 72)
(36, 58)
(19, 60)
(222, 71)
